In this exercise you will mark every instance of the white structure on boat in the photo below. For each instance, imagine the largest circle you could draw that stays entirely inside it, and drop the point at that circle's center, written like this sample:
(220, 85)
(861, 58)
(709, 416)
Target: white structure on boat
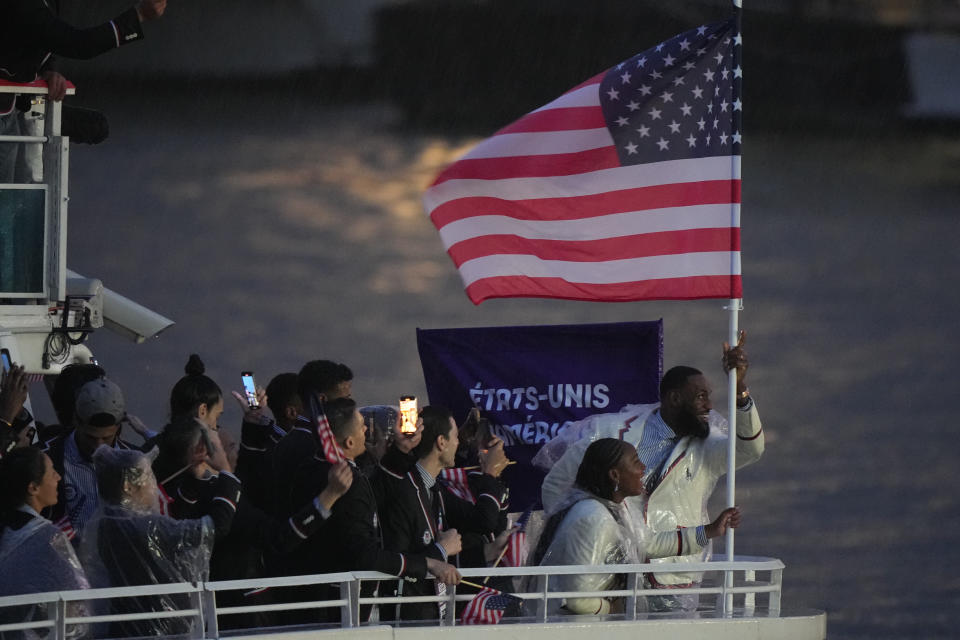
(46, 310)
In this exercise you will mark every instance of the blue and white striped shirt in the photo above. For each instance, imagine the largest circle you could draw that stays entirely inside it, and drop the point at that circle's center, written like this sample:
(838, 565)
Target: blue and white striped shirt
(79, 485)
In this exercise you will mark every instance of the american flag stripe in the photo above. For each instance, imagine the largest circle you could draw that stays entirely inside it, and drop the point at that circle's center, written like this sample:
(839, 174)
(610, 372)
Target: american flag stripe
(558, 119)
(590, 206)
(611, 227)
(531, 166)
(626, 186)
(328, 442)
(610, 272)
(690, 288)
(669, 172)
(487, 607)
(458, 484)
(622, 248)
(516, 550)
(544, 143)
(515, 553)
(164, 499)
(66, 526)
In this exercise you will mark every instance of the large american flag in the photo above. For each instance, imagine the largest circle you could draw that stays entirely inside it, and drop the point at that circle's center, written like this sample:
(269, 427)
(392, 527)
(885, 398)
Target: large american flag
(627, 187)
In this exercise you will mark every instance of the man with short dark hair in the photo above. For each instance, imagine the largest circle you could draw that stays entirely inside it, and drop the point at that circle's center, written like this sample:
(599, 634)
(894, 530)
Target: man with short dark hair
(98, 412)
(328, 380)
(283, 398)
(319, 382)
(352, 541)
(420, 517)
(684, 457)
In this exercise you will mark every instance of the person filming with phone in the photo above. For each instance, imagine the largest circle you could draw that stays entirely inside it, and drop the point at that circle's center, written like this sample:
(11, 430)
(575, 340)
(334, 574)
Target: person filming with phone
(421, 516)
(353, 540)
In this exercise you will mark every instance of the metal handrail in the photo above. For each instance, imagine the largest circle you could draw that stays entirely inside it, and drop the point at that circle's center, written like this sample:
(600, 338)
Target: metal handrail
(205, 611)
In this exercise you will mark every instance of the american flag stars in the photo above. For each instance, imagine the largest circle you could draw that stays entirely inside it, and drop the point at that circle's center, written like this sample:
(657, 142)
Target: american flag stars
(679, 100)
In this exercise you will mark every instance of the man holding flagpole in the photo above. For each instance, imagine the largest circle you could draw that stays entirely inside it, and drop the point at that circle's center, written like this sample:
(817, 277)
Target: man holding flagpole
(682, 444)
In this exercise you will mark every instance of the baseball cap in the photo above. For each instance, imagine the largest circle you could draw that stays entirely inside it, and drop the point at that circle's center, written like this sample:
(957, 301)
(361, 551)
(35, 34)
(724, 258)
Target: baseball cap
(100, 403)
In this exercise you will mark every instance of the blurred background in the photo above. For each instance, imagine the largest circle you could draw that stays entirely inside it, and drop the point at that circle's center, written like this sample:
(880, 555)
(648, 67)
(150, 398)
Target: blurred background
(261, 186)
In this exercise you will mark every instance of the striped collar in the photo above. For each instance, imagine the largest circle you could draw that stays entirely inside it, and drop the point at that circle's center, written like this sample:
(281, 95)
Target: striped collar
(427, 479)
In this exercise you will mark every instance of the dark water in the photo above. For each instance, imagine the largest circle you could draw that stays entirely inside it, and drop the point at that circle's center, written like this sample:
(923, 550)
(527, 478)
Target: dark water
(275, 231)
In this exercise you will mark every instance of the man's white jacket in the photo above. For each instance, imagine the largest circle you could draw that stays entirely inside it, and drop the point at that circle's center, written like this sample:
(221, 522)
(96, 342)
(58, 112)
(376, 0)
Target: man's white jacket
(687, 478)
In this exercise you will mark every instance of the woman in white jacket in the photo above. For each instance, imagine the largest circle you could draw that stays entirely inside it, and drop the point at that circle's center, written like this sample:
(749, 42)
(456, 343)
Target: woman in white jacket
(596, 527)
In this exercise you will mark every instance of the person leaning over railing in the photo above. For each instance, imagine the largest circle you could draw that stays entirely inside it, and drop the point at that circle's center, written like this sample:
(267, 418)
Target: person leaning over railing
(35, 556)
(31, 33)
(596, 526)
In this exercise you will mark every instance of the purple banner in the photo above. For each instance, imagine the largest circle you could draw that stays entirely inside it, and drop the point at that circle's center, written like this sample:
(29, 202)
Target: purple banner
(531, 381)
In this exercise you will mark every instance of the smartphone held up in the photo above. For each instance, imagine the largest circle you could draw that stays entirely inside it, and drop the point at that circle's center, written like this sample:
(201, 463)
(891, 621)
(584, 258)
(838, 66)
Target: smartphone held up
(250, 389)
(408, 414)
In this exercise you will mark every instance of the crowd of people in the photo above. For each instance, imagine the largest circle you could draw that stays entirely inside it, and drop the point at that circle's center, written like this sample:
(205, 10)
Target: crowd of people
(84, 507)
(192, 504)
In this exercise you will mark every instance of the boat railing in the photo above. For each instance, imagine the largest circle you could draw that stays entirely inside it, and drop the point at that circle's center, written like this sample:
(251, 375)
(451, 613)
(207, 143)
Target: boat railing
(754, 576)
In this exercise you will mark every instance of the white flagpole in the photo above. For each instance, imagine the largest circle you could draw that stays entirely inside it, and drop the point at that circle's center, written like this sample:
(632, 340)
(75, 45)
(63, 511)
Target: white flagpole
(734, 308)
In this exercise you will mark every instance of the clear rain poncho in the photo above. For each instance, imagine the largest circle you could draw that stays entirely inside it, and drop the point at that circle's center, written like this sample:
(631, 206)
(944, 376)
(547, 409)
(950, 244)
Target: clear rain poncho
(679, 500)
(38, 558)
(128, 543)
(592, 531)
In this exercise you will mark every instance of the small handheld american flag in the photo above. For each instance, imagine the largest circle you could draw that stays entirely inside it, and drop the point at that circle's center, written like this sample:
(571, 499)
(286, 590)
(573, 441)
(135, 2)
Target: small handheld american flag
(487, 607)
(331, 450)
(516, 551)
(66, 526)
(456, 481)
